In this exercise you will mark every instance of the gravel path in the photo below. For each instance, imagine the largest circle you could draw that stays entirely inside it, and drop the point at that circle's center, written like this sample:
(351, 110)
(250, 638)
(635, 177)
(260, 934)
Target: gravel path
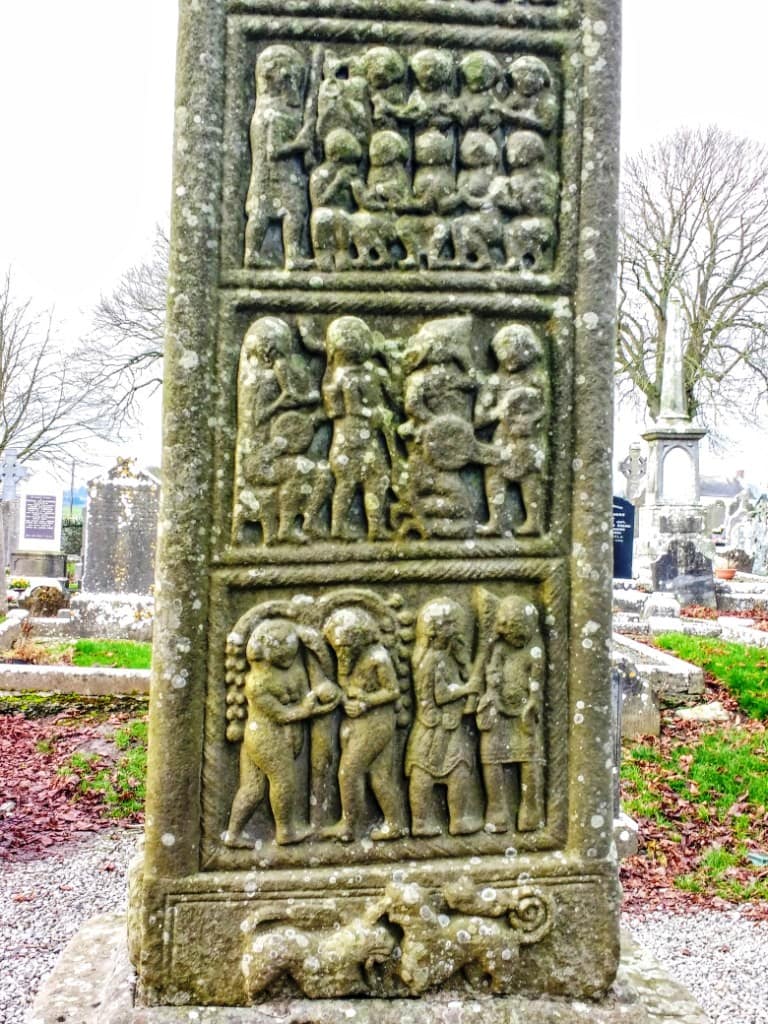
(718, 955)
(42, 904)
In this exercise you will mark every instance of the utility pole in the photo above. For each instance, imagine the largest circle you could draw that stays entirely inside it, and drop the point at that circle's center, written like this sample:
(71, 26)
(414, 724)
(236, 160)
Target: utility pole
(11, 472)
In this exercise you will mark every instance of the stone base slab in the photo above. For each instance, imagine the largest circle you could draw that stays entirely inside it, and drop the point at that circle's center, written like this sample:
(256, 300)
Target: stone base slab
(93, 983)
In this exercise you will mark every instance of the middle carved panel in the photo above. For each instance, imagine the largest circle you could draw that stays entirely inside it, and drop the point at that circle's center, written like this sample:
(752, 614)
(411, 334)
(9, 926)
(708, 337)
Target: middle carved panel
(346, 433)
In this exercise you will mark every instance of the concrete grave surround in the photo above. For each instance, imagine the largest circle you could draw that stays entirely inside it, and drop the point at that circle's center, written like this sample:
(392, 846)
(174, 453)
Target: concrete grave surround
(381, 752)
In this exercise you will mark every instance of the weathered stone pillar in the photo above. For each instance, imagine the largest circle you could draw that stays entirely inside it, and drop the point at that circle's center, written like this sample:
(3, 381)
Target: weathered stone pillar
(381, 751)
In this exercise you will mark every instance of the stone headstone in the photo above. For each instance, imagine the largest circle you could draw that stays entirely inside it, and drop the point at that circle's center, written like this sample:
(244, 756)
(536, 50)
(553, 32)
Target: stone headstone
(121, 531)
(381, 763)
(634, 468)
(623, 537)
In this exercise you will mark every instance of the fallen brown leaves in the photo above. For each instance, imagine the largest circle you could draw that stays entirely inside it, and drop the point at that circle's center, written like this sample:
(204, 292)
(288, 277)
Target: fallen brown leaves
(37, 810)
(667, 853)
(700, 611)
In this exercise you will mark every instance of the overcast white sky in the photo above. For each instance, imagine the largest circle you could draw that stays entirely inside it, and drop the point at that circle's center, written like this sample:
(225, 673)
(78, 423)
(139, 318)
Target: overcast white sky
(87, 109)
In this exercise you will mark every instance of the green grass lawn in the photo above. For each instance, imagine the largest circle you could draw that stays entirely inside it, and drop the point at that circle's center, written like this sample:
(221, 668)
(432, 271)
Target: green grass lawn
(84, 653)
(703, 806)
(112, 653)
(120, 786)
(744, 670)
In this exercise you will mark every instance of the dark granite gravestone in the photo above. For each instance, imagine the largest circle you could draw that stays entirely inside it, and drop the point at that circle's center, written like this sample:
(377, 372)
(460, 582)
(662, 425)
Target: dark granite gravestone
(623, 537)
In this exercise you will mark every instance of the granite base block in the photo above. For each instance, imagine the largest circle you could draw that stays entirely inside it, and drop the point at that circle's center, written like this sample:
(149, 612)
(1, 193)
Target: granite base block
(93, 984)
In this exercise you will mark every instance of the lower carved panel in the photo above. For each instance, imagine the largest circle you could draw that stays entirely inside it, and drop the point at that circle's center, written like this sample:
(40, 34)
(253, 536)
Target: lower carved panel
(470, 935)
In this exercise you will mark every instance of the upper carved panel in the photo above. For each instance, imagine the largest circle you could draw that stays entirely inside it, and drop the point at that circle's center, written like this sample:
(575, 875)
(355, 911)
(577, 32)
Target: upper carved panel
(415, 159)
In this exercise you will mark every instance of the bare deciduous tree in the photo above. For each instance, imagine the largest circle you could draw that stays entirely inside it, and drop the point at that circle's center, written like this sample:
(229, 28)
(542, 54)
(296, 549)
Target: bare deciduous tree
(695, 222)
(126, 341)
(49, 401)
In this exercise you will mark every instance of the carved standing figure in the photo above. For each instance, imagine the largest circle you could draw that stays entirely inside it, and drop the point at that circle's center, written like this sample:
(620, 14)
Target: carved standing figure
(366, 676)
(516, 400)
(509, 716)
(279, 701)
(355, 394)
(281, 136)
(441, 745)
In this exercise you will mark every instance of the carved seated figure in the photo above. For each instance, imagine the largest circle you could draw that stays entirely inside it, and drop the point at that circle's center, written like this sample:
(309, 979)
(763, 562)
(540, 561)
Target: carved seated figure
(332, 186)
(530, 195)
(284, 485)
(385, 72)
(433, 497)
(431, 103)
(478, 108)
(424, 232)
(476, 232)
(387, 191)
(531, 102)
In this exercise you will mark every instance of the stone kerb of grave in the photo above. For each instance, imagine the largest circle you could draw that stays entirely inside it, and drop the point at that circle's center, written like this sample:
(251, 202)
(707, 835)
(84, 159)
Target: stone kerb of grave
(382, 751)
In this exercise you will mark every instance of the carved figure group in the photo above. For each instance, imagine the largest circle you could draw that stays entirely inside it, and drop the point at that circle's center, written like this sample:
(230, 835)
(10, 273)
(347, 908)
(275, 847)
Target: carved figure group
(334, 678)
(349, 433)
(377, 159)
(406, 942)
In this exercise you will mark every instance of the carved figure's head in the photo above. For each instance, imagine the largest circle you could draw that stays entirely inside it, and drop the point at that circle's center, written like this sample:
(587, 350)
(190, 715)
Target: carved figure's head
(443, 342)
(478, 149)
(340, 68)
(342, 147)
(479, 70)
(274, 641)
(516, 347)
(386, 148)
(525, 149)
(268, 339)
(350, 629)
(349, 340)
(433, 69)
(280, 73)
(528, 76)
(433, 149)
(383, 67)
(516, 620)
(439, 621)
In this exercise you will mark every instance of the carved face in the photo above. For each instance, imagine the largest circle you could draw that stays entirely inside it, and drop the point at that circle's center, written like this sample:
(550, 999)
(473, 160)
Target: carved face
(528, 76)
(349, 340)
(383, 67)
(479, 70)
(433, 149)
(433, 68)
(387, 148)
(267, 340)
(524, 149)
(516, 620)
(342, 147)
(274, 641)
(440, 621)
(478, 149)
(348, 630)
(516, 347)
(280, 74)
